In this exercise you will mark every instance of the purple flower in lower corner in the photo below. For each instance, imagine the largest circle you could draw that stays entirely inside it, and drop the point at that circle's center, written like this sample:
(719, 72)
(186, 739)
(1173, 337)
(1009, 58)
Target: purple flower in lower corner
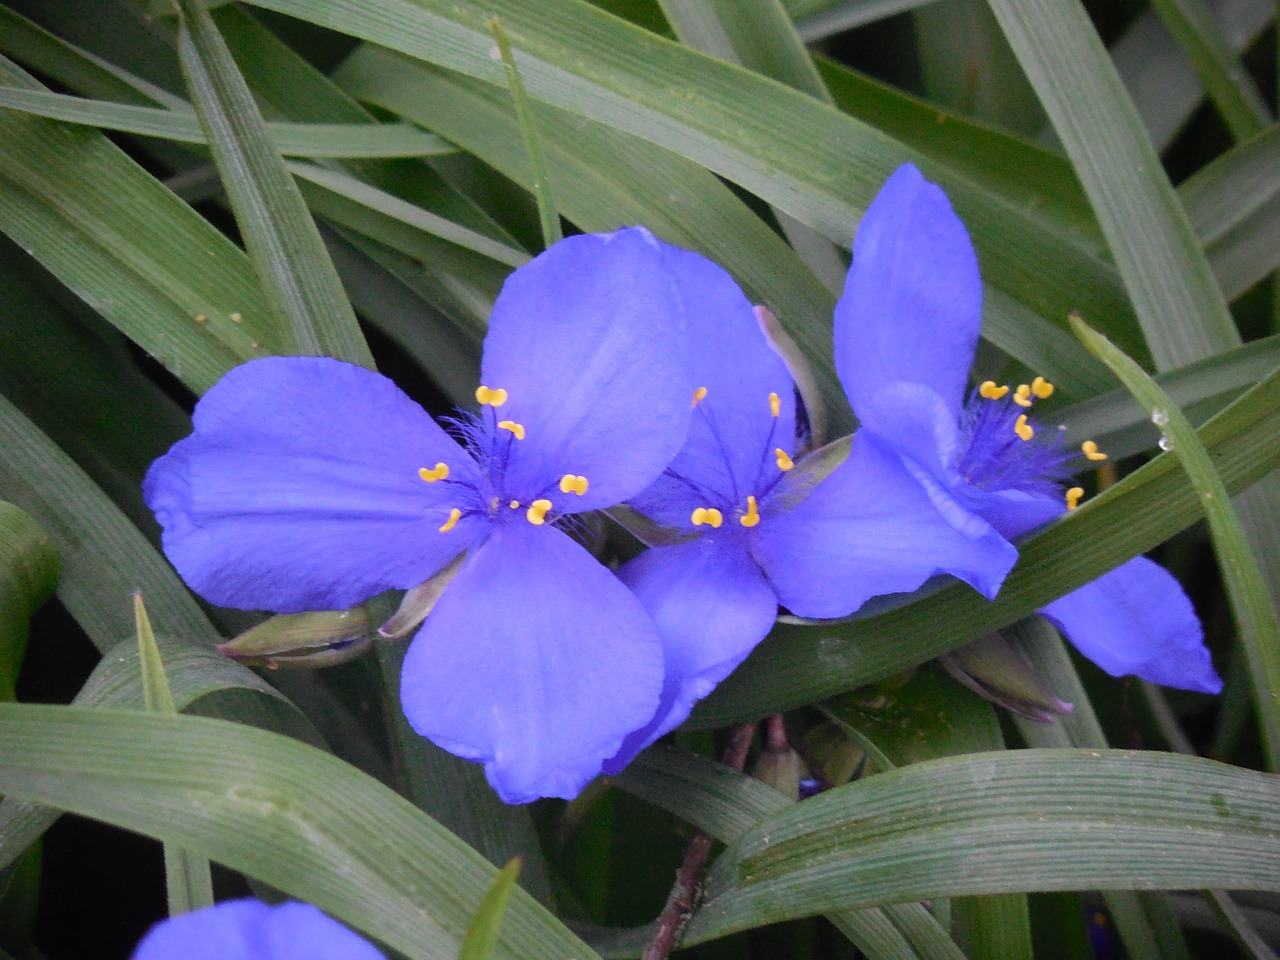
(906, 335)
(758, 526)
(252, 930)
(310, 484)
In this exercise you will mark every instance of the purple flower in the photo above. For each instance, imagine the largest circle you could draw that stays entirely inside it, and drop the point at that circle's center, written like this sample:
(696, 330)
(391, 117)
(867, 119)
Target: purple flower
(310, 484)
(906, 333)
(251, 930)
(759, 530)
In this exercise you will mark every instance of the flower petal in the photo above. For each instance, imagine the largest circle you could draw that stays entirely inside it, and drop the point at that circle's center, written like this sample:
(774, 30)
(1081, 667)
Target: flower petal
(870, 529)
(1137, 620)
(732, 435)
(912, 303)
(536, 661)
(299, 489)
(711, 606)
(251, 930)
(585, 339)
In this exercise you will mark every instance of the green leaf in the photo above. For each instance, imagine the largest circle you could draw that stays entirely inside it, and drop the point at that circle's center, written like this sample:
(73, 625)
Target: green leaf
(156, 695)
(482, 935)
(1004, 822)
(28, 575)
(1250, 602)
(299, 283)
(1181, 310)
(1224, 77)
(285, 813)
(290, 139)
(801, 663)
(129, 248)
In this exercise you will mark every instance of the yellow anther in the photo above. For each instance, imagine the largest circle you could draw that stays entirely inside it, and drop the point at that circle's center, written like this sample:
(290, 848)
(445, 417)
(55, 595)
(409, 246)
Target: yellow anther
(1042, 388)
(454, 516)
(785, 462)
(698, 396)
(991, 390)
(775, 404)
(439, 472)
(707, 515)
(752, 516)
(1022, 396)
(1073, 497)
(1023, 429)
(537, 512)
(573, 484)
(490, 398)
(514, 504)
(516, 428)
(1091, 451)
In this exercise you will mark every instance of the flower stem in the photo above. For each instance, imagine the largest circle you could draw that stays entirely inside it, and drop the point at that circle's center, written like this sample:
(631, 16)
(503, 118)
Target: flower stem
(684, 895)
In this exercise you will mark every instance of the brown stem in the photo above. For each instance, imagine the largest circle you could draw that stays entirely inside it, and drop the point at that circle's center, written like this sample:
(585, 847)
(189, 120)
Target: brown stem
(684, 895)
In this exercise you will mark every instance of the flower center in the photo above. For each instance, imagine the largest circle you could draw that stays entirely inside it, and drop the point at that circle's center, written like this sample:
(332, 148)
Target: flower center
(774, 461)
(482, 491)
(1003, 449)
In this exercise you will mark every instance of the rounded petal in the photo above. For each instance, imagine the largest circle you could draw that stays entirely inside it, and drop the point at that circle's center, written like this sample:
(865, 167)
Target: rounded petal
(299, 489)
(252, 930)
(711, 606)
(588, 339)
(1013, 513)
(1137, 620)
(912, 303)
(536, 661)
(732, 434)
(871, 529)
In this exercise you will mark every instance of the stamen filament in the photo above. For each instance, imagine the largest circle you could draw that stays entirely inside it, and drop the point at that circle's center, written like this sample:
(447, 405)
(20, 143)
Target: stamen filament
(516, 429)
(991, 390)
(1023, 429)
(454, 516)
(537, 512)
(1091, 451)
(1073, 497)
(490, 398)
(571, 483)
(752, 516)
(783, 459)
(775, 405)
(699, 395)
(707, 515)
(439, 472)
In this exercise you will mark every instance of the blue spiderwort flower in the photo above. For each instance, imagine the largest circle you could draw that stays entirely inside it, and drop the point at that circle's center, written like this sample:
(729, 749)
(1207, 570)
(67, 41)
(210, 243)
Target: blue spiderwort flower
(251, 930)
(758, 530)
(310, 484)
(906, 334)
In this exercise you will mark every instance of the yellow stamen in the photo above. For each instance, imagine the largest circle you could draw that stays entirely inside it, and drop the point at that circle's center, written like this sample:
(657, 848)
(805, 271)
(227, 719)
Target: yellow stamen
(1022, 396)
(439, 472)
(708, 515)
(752, 516)
(516, 428)
(570, 483)
(775, 404)
(514, 504)
(537, 512)
(699, 395)
(1042, 388)
(785, 462)
(991, 390)
(1023, 429)
(1073, 497)
(1091, 451)
(454, 516)
(490, 398)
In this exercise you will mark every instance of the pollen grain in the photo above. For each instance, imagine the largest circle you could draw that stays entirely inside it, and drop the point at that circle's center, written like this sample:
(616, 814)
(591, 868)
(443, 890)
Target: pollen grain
(439, 472)
(991, 390)
(775, 405)
(1022, 396)
(1073, 497)
(570, 483)
(537, 512)
(1023, 429)
(1091, 451)
(490, 398)
(454, 516)
(516, 429)
(698, 396)
(709, 516)
(752, 516)
(783, 459)
(1042, 388)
